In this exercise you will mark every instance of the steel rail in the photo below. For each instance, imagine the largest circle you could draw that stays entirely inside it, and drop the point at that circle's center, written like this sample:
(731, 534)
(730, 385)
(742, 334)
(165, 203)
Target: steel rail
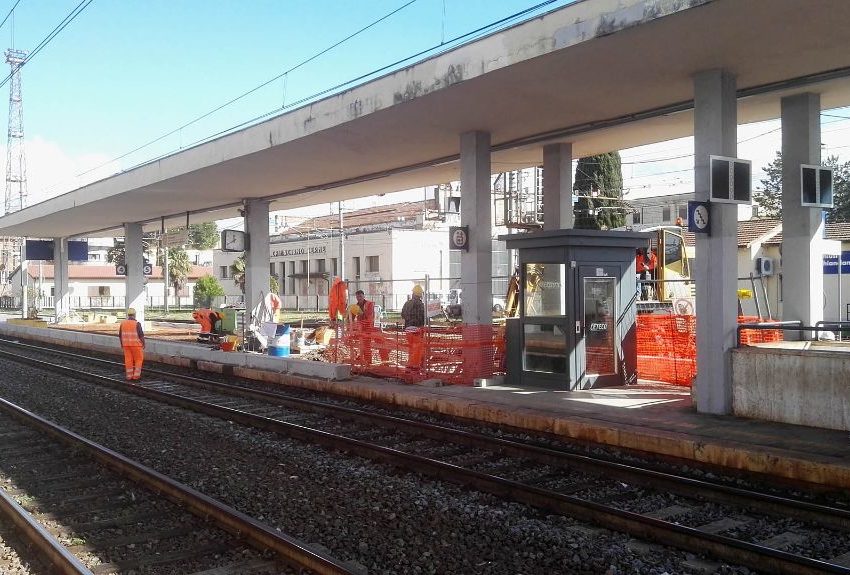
(687, 538)
(58, 556)
(288, 549)
(770, 504)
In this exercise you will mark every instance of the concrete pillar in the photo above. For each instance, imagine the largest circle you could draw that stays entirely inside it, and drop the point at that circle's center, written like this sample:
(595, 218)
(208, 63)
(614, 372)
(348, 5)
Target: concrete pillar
(558, 187)
(134, 257)
(802, 227)
(476, 275)
(61, 295)
(257, 255)
(715, 130)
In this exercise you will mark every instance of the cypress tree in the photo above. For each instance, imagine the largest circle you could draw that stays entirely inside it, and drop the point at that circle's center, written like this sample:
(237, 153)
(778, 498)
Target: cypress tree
(601, 173)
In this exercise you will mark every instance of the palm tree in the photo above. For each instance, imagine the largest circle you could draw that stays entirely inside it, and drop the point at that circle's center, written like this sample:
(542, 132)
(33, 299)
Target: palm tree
(237, 272)
(179, 267)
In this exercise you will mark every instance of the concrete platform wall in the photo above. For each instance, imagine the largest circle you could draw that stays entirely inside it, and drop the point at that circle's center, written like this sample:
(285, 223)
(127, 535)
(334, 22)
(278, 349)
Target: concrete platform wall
(803, 385)
(252, 366)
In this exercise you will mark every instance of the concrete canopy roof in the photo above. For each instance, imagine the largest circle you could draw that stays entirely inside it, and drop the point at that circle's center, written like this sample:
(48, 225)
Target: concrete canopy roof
(602, 74)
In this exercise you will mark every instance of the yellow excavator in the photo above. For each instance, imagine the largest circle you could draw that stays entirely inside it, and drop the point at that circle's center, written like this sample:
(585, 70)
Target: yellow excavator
(671, 279)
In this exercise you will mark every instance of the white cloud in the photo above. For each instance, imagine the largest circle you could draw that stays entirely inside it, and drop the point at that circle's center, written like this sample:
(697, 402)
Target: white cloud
(51, 171)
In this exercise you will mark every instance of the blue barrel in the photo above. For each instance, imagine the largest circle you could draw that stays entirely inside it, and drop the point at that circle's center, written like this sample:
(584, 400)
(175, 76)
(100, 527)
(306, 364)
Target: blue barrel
(279, 346)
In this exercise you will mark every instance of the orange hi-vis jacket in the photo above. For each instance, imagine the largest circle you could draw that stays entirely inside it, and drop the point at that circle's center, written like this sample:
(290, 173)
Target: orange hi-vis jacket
(129, 332)
(338, 300)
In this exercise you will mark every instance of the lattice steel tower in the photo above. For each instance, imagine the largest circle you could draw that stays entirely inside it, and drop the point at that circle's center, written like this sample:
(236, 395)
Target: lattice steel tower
(16, 169)
(16, 164)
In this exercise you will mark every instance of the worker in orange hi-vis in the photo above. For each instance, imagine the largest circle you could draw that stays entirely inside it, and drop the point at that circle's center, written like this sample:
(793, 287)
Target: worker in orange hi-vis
(132, 338)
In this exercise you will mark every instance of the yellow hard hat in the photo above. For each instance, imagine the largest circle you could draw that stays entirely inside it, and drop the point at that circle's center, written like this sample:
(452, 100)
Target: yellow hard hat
(354, 309)
(131, 311)
(417, 290)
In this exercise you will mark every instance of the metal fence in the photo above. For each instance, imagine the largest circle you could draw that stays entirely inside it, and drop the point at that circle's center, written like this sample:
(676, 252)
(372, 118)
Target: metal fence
(390, 295)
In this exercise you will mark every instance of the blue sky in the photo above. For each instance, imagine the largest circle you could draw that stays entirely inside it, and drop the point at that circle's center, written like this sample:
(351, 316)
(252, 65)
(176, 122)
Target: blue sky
(126, 72)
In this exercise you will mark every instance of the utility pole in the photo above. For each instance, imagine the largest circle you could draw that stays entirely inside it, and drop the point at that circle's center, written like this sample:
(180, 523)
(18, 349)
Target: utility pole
(341, 268)
(16, 174)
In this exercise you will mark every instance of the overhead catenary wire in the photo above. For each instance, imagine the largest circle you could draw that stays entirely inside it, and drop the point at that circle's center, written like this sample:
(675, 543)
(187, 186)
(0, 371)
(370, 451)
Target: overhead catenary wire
(11, 10)
(78, 9)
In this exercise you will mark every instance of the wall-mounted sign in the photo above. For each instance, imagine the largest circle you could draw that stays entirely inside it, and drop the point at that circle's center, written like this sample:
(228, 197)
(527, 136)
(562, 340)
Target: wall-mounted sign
(815, 186)
(698, 218)
(299, 251)
(730, 180)
(121, 269)
(78, 250)
(459, 238)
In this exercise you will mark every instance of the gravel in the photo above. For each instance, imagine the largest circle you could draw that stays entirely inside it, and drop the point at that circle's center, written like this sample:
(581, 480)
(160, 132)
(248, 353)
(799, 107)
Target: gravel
(385, 520)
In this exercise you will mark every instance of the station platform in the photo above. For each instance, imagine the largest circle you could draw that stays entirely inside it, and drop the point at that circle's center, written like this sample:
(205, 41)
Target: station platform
(650, 417)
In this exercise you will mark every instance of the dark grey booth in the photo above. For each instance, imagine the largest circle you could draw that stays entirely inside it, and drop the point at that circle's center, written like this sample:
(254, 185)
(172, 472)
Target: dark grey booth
(576, 323)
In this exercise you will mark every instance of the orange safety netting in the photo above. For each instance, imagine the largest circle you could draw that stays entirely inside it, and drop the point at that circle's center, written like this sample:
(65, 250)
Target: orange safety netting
(666, 348)
(456, 355)
(751, 336)
(667, 345)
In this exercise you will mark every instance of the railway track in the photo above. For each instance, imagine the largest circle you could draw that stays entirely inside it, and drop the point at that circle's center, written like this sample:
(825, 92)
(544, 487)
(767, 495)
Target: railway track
(89, 510)
(771, 534)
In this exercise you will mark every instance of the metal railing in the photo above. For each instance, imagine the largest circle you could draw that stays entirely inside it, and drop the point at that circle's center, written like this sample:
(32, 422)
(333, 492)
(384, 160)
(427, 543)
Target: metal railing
(794, 325)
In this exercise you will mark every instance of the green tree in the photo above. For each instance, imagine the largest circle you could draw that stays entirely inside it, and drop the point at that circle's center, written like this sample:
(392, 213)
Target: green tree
(769, 199)
(203, 236)
(841, 191)
(206, 289)
(599, 185)
(237, 272)
(179, 267)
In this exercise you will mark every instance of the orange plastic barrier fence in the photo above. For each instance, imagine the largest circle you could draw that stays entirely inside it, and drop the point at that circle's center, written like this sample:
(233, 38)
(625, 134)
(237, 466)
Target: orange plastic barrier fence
(456, 355)
(666, 348)
(751, 336)
(667, 345)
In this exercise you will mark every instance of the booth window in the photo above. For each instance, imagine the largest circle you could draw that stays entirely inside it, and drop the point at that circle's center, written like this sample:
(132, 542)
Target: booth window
(545, 290)
(544, 348)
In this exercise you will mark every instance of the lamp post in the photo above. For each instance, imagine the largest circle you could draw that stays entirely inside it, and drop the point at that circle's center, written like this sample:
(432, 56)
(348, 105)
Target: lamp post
(341, 246)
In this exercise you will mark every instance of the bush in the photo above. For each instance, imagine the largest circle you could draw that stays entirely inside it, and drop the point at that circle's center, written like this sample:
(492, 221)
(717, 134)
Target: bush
(206, 289)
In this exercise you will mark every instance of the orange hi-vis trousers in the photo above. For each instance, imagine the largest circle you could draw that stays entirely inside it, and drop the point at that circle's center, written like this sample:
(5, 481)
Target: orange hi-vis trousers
(134, 356)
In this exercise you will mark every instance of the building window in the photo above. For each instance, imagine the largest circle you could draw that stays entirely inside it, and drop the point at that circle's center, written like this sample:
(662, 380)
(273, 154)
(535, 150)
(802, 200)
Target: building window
(98, 291)
(356, 267)
(665, 214)
(273, 269)
(304, 268)
(333, 266)
(222, 272)
(372, 264)
(683, 213)
(321, 266)
(291, 280)
(636, 217)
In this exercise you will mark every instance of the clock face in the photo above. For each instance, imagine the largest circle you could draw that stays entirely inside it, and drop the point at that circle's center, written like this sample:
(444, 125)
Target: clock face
(233, 240)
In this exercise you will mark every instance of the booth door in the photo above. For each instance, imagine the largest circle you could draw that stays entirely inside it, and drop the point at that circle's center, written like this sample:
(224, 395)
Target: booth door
(595, 328)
